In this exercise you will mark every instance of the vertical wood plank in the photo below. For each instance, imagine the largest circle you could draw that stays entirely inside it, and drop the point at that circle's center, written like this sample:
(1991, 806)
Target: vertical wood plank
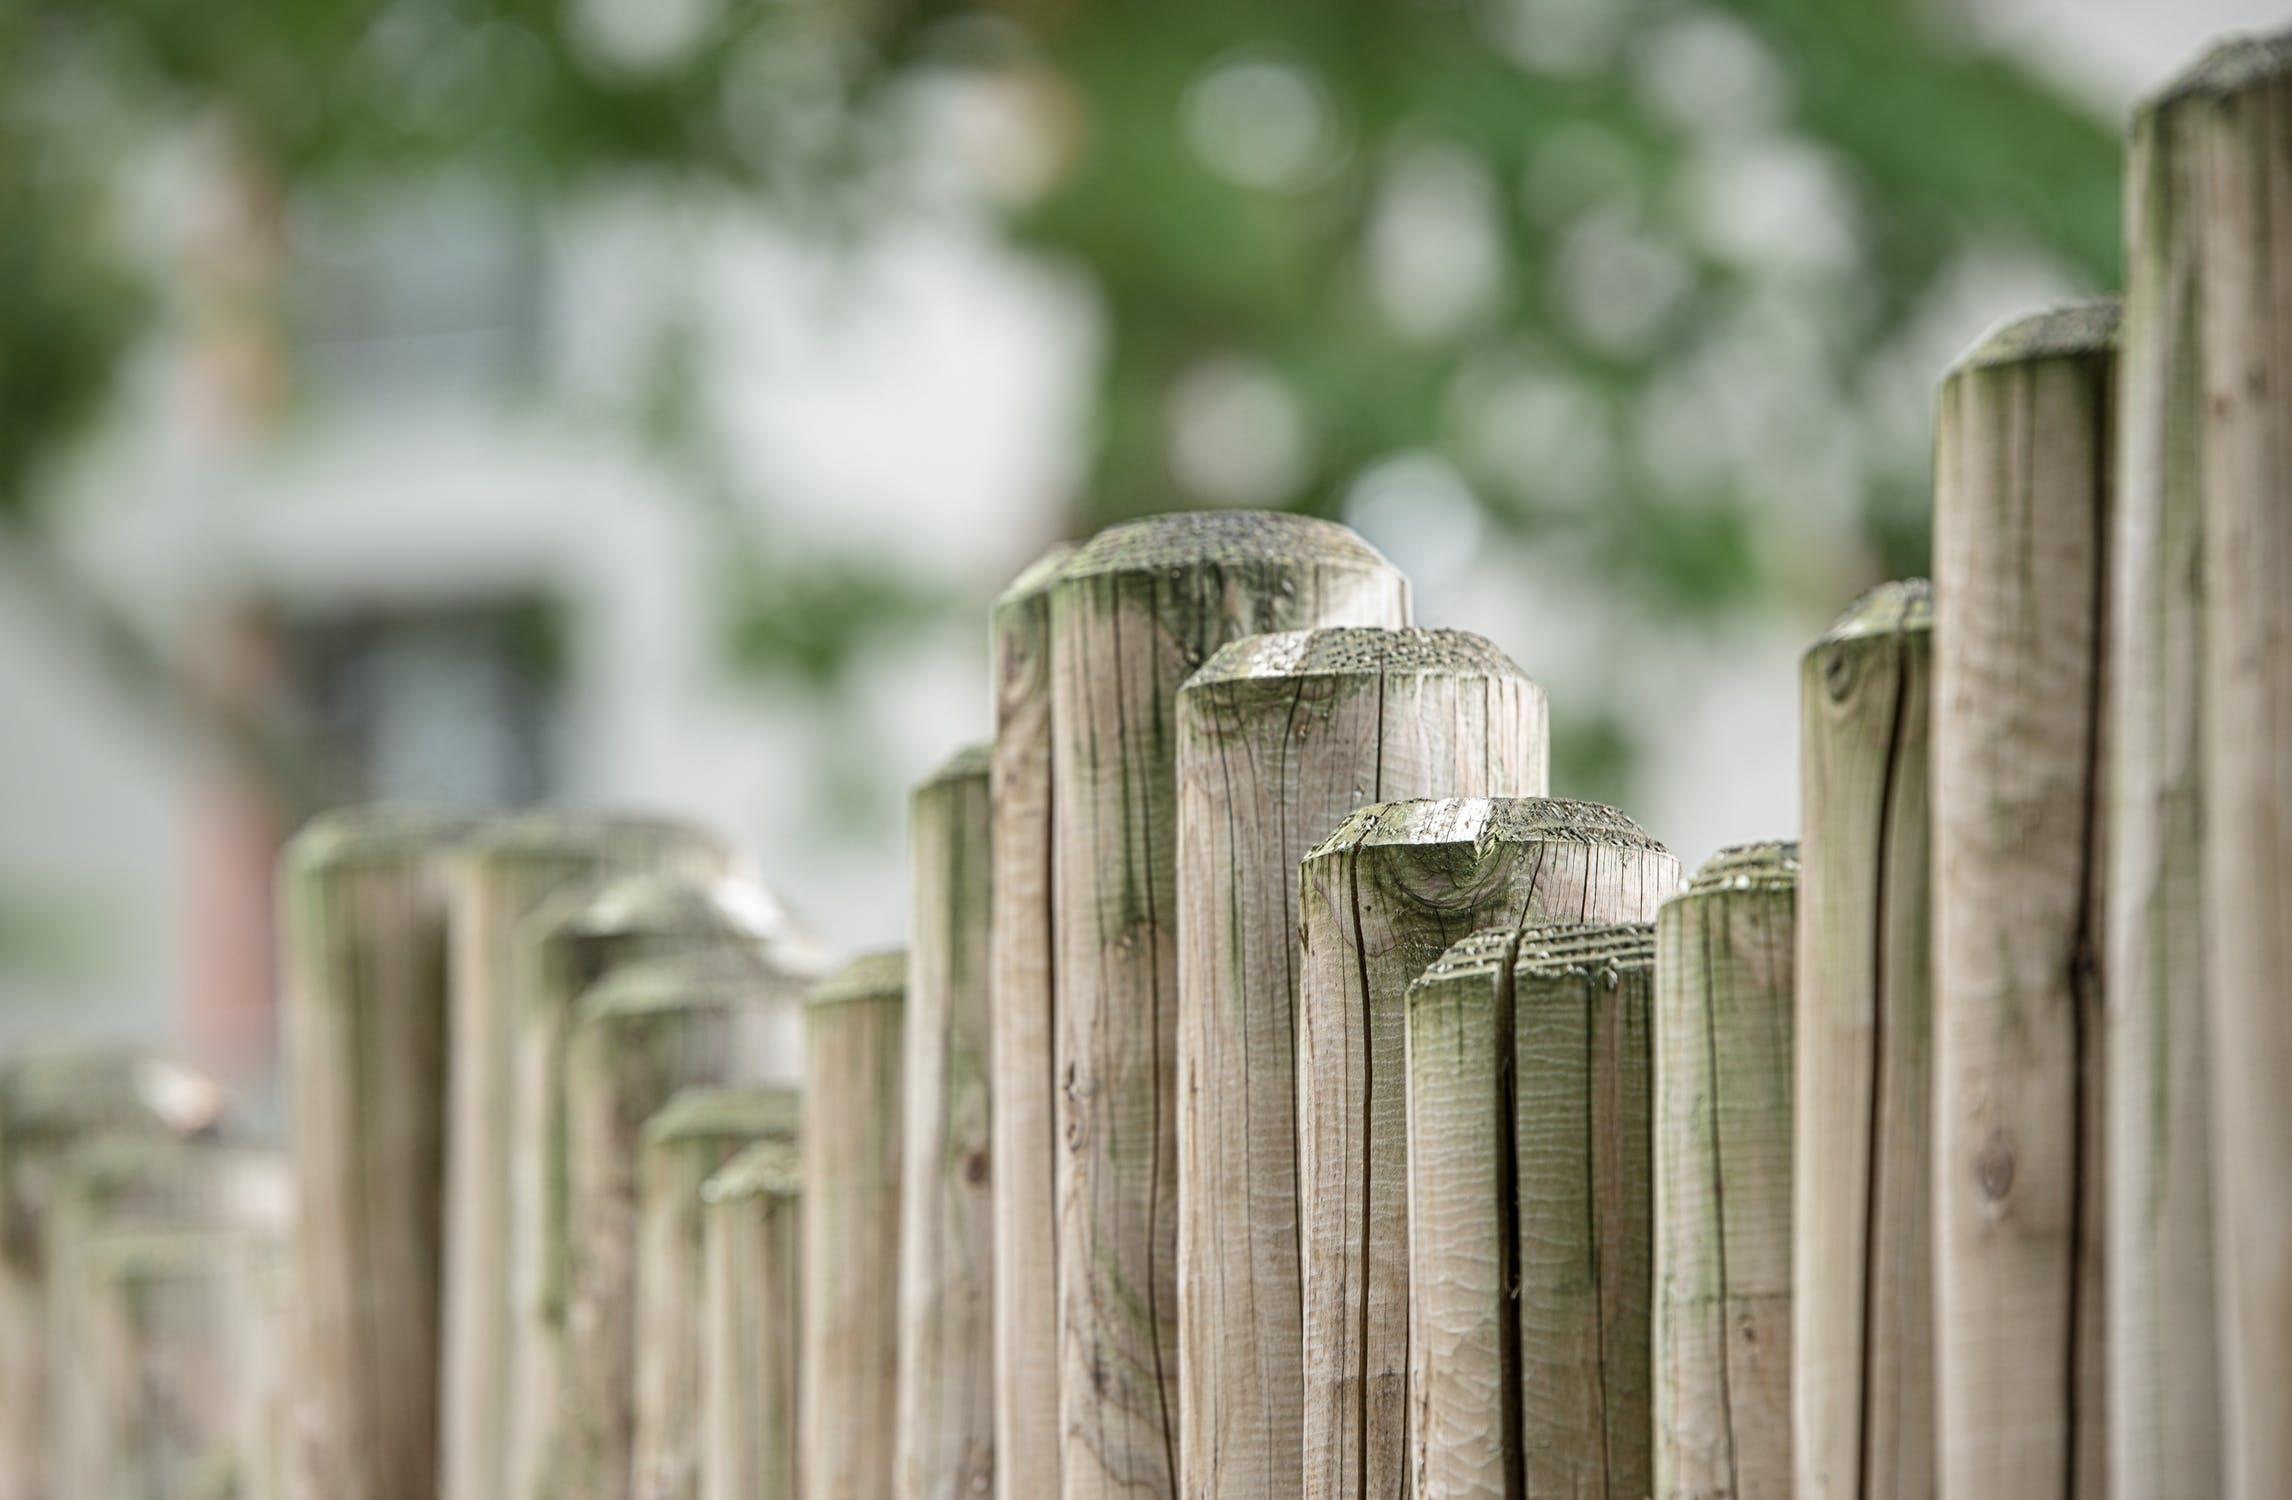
(753, 1316)
(851, 1140)
(946, 1442)
(1133, 614)
(1862, 1385)
(2021, 516)
(1280, 737)
(1724, 995)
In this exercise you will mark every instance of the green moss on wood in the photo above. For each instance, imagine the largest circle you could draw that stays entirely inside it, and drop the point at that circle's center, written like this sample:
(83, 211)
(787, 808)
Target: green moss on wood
(746, 1113)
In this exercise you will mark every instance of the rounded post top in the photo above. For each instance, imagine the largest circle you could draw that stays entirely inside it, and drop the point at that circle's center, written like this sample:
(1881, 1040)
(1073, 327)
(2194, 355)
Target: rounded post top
(1355, 651)
(715, 1113)
(1210, 538)
(768, 1169)
(971, 763)
(1484, 820)
(1768, 866)
(2071, 330)
(666, 904)
(1472, 957)
(721, 975)
(2230, 68)
(569, 834)
(372, 834)
(1035, 579)
(1609, 949)
(1904, 604)
(881, 975)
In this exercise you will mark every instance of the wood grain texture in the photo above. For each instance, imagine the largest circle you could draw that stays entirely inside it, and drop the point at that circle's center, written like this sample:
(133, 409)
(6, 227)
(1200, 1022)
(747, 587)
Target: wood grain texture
(946, 1442)
(2021, 518)
(692, 1136)
(649, 1029)
(1133, 614)
(1025, 1115)
(851, 1138)
(1384, 896)
(501, 874)
(1862, 1386)
(2242, 108)
(1724, 996)
(49, 1103)
(1279, 738)
(2164, 1386)
(752, 1319)
(363, 1012)
(575, 939)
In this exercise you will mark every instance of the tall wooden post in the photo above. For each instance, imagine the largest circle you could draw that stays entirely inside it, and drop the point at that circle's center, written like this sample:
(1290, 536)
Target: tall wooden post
(692, 1136)
(2241, 121)
(946, 1442)
(1530, 1181)
(1384, 896)
(2164, 1383)
(1133, 614)
(1724, 992)
(1025, 1123)
(2021, 516)
(1279, 738)
(501, 875)
(1862, 1361)
(752, 1316)
(649, 1029)
(49, 1102)
(851, 1137)
(575, 938)
(363, 1010)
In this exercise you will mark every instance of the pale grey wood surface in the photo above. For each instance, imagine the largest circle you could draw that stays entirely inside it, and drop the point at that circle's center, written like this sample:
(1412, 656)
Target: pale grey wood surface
(2021, 520)
(1279, 738)
(752, 1316)
(1133, 614)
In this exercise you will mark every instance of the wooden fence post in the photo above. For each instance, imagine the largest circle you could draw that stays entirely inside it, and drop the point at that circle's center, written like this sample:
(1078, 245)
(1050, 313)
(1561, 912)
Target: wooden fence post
(1724, 994)
(2243, 120)
(946, 1433)
(649, 1029)
(1384, 896)
(1025, 1116)
(2164, 1384)
(501, 875)
(692, 1136)
(2021, 514)
(851, 1138)
(48, 1103)
(753, 1321)
(363, 1013)
(1862, 1384)
(1133, 614)
(574, 939)
(1529, 1121)
(1279, 738)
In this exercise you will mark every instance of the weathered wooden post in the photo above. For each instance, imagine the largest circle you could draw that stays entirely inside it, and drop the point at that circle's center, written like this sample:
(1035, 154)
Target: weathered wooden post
(1384, 896)
(649, 1029)
(50, 1102)
(1279, 738)
(2021, 515)
(1862, 1385)
(1724, 994)
(2164, 1383)
(752, 1311)
(501, 875)
(1133, 614)
(363, 1013)
(2241, 122)
(851, 1138)
(1025, 1123)
(1530, 1181)
(694, 1134)
(575, 939)
(946, 1442)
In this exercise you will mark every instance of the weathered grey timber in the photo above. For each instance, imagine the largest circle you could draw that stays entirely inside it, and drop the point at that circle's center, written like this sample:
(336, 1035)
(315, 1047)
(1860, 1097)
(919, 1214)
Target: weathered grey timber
(1724, 993)
(2021, 521)
(752, 1317)
(1134, 613)
(1862, 1339)
(1384, 896)
(1279, 738)
(362, 898)
(848, 1407)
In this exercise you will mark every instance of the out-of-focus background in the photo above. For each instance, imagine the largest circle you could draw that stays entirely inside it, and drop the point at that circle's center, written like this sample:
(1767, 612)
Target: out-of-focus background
(639, 401)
